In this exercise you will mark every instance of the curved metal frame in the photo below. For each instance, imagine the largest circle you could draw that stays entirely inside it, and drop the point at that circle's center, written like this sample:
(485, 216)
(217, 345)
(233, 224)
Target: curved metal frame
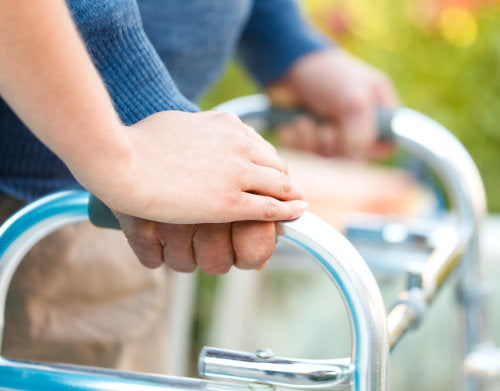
(310, 234)
(372, 334)
(366, 312)
(438, 148)
(31, 224)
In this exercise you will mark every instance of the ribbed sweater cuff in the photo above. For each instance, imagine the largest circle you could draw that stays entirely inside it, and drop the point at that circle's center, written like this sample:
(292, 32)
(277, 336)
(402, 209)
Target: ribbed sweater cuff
(136, 78)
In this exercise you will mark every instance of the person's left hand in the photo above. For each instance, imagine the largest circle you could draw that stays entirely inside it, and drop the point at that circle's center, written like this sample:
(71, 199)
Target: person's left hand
(345, 92)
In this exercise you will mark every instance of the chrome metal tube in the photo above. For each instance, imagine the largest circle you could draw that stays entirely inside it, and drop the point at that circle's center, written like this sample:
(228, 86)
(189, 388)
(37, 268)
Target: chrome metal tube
(410, 308)
(365, 309)
(29, 225)
(401, 319)
(437, 147)
(26, 376)
(309, 234)
(368, 364)
(324, 374)
(17, 235)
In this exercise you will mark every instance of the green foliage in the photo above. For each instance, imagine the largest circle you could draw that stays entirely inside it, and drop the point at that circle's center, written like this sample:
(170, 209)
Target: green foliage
(443, 58)
(452, 76)
(234, 83)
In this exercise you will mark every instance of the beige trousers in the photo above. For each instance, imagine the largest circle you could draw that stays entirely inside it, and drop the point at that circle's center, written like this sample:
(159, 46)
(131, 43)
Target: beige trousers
(80, 296)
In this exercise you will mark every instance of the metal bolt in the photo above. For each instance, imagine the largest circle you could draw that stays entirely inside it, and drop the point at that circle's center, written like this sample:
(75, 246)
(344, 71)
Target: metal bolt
(264, 353)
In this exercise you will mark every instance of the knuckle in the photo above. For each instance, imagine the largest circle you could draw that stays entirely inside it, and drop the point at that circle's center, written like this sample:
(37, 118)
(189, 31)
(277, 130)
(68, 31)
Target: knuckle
(239, 168)
(142, 231)
(286, 183)
(242, 144)
(231, 199)
(228, 117)
(271, 209)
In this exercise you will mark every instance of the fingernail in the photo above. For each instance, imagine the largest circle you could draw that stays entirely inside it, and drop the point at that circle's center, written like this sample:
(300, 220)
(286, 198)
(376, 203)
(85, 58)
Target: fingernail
(261, 266)
(303, 205)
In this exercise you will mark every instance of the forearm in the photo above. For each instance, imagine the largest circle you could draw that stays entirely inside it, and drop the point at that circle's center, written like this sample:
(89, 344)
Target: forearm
(50, 82)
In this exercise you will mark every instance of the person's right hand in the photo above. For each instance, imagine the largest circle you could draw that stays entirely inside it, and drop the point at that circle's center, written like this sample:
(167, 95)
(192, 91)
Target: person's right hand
(172, 167)
(213, 248)
(206, 167)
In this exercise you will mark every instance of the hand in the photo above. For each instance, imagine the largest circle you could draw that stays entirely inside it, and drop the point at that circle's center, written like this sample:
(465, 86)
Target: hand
(345, 92)
(214, 248)
(204, 167)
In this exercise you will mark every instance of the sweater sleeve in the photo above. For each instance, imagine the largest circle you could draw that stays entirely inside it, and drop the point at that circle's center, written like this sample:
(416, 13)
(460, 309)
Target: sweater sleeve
(275, 36)
(136, 78)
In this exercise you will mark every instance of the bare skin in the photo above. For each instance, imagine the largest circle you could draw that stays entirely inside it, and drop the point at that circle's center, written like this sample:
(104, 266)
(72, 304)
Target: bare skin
(342, 90)
(205, 179)
(213, 248)
(332, 84)
(172, 167)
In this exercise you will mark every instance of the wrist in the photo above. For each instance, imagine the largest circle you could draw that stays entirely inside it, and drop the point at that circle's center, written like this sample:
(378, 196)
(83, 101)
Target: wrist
(100, 165)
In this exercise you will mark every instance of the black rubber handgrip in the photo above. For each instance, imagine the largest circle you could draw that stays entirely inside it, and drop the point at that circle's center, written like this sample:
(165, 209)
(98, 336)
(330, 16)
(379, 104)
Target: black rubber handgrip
(101, 216)
(276, 116)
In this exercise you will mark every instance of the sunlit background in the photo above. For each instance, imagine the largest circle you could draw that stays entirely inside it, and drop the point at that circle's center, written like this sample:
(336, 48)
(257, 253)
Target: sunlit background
(444, 58)
(443, 55)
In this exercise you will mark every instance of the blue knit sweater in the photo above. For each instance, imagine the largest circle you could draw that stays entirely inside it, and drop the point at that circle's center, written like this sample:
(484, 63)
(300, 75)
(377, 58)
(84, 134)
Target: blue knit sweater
(158, 55)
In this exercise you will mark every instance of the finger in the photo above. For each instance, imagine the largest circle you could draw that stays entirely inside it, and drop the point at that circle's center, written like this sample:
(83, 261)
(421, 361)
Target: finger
(287, 136)
(261, 267)
(264, 208)
(299, 134)
(357, 130)
(256, 136)
(265, 146)
(213, 249)
(177, 241)
(149, 254)
(385, 95)
(253, 243)
(270, 182)
(267, 157)
(142, 239)
(306, 128)
(236, 123)
(327, 139)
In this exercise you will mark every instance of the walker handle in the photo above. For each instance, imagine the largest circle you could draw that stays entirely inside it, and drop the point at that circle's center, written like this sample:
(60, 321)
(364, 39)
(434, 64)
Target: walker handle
(277, 116)
(101, 216)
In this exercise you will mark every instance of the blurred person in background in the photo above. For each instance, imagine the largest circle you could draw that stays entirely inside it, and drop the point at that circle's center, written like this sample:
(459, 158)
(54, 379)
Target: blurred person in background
(100, 94)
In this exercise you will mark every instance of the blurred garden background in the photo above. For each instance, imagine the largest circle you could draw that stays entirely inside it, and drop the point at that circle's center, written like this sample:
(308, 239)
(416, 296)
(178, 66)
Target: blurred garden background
(443, 56)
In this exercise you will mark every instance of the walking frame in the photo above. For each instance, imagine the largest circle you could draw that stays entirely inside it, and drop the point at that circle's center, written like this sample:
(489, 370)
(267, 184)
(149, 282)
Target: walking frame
(454, 246)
